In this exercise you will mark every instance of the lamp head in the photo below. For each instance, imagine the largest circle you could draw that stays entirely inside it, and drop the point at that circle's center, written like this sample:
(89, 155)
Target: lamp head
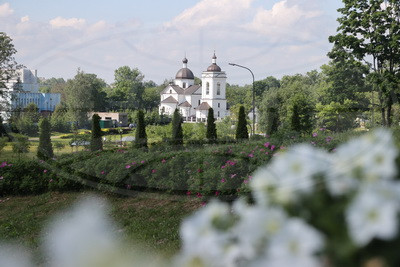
(232, 64)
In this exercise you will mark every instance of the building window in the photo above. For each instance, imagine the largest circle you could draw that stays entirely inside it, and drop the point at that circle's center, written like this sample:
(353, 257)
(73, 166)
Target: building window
(184, 85)
(218, 114)
(218, 88)
(207, 88)
(219, 105)
(170, 91)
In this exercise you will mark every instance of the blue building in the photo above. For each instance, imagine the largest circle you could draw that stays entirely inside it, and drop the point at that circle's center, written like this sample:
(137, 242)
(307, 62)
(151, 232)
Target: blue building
(23, 90)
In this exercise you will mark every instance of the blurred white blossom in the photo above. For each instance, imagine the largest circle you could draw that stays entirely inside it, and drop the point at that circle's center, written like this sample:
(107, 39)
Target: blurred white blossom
(372, 215)
(289, 174)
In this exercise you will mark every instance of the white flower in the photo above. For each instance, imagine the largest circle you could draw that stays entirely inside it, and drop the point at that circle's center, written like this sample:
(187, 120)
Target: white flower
(204, 233)
(365, 159)
(289, 174)
(256, 225)
(296, 239)
(372, 215)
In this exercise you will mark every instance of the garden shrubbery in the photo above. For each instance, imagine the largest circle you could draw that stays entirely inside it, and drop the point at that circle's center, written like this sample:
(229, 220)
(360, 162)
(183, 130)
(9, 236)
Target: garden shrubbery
(197, 168)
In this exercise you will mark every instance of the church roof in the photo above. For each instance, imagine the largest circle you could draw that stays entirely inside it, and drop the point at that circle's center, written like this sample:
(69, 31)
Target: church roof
(203, 106)
(214, 67)
(185, 105)
(192, 89)
(170, 99)
(184, 73)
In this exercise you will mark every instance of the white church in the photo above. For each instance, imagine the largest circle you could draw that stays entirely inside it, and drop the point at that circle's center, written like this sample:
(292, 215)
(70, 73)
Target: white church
(193, 101)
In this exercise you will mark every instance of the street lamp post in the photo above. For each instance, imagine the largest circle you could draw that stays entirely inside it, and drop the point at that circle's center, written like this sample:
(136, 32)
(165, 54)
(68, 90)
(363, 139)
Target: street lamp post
(254, 108)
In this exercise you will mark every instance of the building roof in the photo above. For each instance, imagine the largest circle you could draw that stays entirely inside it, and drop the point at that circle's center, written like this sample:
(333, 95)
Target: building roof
(170, 99)
(214, 67)
(185, 105)
(184, 73)
(192, 89)
(176, 88)
(203, 106)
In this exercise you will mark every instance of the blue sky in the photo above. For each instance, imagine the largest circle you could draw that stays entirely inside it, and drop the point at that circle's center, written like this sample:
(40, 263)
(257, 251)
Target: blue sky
(272, 37)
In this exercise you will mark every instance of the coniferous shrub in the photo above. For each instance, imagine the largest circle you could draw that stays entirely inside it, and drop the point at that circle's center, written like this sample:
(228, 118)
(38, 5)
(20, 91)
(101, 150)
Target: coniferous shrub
(95, 142)
(211, 127)
(177, 132)
(141, 136)
(45, 148)
(241, 130)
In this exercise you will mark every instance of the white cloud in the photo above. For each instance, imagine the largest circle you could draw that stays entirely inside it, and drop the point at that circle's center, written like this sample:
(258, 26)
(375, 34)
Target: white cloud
(60, 22)
(25, 19)
(210, 13)
(283, 20)
(6, 10)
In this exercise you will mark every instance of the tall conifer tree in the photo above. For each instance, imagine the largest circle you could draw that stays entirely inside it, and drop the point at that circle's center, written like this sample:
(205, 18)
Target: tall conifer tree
(141, 136)
(241, 130)
(211, 128)
(95, 142)
(45, 148)
(177, 132)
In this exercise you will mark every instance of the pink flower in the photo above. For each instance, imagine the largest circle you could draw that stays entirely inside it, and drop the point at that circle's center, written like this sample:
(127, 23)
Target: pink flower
(313, 143)
(51, 180)
(272, 147)
(188, 193)
(153, 171)
(282, 147)
(267, 144)
(203, 203)
(103, 172)
(233, 175)
(216, 193)
(223, 180)
(3, 164)
(44, 171)
(128, 186)
(127, 166)
(223, 167)
(142, 161)
(163, 161)
(9, 165)
(232, 163)
(314, 134)
(199, 195)
(266, 153)
(199, 170)
(251, 155)
(1, 177)
(328, 139)
(262, 150)
(245, 181)
(133, 163)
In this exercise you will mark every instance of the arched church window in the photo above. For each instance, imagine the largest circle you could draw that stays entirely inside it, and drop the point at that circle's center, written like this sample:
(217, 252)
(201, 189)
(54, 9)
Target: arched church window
(218, 88)
(207, 88)
(184, 85)
(170, 91)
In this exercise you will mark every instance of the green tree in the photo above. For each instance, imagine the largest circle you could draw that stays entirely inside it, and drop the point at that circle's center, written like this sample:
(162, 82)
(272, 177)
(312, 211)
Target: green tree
(369, 30)
(141, 136)
(241, 129)
(95, 141)
(301, 113)
(128, 88)
(59, 119)
(211, 127)
(20, 144)
(84, 94)
(45, 148)
(343, 90)
(8, 65)
(177, 132)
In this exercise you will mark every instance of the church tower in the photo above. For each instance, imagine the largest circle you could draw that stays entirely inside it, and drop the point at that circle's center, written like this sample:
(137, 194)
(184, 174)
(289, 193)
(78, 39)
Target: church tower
(213, 90)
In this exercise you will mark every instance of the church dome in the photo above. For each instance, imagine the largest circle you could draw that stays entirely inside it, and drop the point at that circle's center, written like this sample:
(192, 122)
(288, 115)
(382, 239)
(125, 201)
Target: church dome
(214, 66)
(184, 73)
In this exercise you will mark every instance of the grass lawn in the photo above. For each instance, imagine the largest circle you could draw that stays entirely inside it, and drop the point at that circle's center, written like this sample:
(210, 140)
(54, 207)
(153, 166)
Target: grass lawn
(148, 219)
